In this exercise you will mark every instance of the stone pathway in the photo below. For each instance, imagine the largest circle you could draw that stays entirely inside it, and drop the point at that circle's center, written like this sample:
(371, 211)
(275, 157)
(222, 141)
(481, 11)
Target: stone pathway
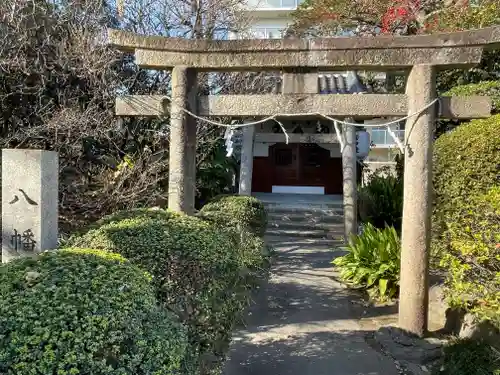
(304, 322)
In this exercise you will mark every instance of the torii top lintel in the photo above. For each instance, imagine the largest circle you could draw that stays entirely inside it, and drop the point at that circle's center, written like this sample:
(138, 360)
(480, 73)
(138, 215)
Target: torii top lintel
(445, 50)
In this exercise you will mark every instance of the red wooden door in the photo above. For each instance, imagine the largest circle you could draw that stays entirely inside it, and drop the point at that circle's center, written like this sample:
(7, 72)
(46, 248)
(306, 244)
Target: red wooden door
(313, 164)
(285, 159)
(297, 165)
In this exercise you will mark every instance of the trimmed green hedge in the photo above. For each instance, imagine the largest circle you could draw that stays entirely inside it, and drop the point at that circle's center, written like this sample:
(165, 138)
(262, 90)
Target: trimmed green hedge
(237, 211)
(466, 219)
(466, 163)
(198, 271)
(244, 218)
(84, 312)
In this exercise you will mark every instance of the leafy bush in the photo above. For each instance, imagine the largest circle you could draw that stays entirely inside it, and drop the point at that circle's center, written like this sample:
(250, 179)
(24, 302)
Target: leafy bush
(237, 211)
(473, 257)
(381, 201)
(373, 261)
(84, 312)
(466, 163)
(198, 271)
(468, 357)
(466, 219)
(246, 219)
(485, 88)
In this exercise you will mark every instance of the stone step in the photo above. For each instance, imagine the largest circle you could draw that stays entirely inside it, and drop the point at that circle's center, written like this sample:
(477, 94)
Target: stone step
(300, 232)
(298, 198)
(310, 211)
(306, 218)
(304, 203)
(301, 241)
(306, 224)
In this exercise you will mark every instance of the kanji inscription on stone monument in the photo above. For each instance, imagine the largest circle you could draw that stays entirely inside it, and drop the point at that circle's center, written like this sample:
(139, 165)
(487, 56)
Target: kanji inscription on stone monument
(29, 211)
(24, 241)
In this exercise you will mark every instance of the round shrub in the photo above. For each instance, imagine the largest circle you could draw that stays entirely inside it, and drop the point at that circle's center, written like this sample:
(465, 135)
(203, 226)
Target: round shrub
(196, 271)
(466, 164)
(245, 219)
(466, 219)
(237, 211)
(469, 357)
(84, 312)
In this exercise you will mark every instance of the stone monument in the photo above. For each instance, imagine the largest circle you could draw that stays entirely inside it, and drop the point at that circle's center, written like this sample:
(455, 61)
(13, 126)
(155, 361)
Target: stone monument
(29, 202)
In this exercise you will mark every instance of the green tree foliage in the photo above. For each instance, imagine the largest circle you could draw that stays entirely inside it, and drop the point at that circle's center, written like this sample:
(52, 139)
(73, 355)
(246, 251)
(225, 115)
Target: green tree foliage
(373, 262)
(215, 171)
(404, 17)
(84, 312)
(329, 17)
(468, 16)
(58, 85)
(466, 219)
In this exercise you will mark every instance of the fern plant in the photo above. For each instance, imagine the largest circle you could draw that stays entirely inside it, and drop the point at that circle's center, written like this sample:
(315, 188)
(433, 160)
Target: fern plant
(373, 262)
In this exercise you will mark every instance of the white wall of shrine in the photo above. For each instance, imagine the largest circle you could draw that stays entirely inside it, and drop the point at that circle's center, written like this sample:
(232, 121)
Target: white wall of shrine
(307, 126)
(261, 149)
(268, 129)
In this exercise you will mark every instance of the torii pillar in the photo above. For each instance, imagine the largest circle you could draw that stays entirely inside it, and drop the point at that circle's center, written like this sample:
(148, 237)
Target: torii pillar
(415, 240)
(182, 156)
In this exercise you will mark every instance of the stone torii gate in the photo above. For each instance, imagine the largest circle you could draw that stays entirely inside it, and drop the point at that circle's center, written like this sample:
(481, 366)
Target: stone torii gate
(422, 56)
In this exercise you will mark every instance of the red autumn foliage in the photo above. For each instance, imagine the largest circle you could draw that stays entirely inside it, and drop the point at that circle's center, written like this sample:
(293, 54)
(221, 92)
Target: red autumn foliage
(401, 13)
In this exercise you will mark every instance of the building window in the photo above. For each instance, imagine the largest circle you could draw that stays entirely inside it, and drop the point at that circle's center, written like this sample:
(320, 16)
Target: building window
(278, 4)
(267, 32)
(381, 137)
(289, 3)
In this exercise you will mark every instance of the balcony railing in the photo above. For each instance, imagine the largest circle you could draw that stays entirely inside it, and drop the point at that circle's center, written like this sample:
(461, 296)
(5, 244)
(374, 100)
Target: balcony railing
(274, 4)
(381, 137)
